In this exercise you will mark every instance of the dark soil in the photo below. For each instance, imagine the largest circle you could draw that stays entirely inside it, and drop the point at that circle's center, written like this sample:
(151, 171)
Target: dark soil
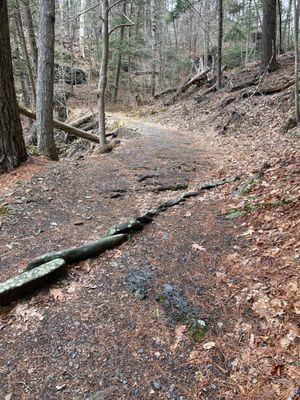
(101, 332)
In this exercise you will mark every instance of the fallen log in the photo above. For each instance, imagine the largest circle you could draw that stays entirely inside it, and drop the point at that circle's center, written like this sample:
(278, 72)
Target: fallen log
(244, 84)
(164, 92)
(83, 119)
(202, 76)
(263, 91)
(61, 126)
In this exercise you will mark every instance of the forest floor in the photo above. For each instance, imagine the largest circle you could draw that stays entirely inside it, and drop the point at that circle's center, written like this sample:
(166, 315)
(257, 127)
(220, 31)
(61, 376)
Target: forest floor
(232, 253)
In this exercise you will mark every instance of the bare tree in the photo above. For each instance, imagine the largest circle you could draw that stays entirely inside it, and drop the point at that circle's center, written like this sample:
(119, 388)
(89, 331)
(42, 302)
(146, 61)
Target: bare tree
(106, 11)
(220, 40)
(44, 108)
(12, 147)
(153, 45)
(31, 33)
(119, 59)
(268, 55)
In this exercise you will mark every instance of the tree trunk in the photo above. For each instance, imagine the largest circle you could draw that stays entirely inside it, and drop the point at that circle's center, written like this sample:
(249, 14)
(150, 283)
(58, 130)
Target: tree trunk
(31, 34)
(103, 72)
(82, 29)
(268, 55)
(297, 12)
(12, 146)
(153, 45)
(119, 60)
(287, 27)
(279, 8)
(20, 30)
(44, 109)
(220, 39)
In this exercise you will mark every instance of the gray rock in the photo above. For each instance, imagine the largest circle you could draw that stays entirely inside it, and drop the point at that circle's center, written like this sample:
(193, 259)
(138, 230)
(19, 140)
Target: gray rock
(25, 283)
(156, 385)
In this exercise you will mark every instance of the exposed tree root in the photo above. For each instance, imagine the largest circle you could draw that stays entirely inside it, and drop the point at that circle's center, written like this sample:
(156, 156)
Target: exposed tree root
(46, 267)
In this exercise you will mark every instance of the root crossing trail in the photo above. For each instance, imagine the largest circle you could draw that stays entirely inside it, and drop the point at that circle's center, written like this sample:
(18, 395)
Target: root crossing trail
(103, 332)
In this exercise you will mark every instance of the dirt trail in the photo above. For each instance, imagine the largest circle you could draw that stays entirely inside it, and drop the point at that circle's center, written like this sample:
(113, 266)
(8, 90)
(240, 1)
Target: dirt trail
(88, 336)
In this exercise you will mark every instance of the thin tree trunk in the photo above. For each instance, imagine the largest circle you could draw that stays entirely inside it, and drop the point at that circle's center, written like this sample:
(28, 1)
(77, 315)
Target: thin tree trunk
(129, 56)
(12, 146)
(31, 34)
(119, 60)
(153, 46)
(103, 73)
(220, 39)
(44, 109)
(20, 30)
(287, 27)
(297, 12)
(82, 29)
(279, 9)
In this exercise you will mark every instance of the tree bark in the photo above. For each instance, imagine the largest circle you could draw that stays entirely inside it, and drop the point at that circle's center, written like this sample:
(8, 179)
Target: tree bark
(44, 109)
(12, 146)
(297, 12)
(268, 55)
(220, 39)
(103, 72)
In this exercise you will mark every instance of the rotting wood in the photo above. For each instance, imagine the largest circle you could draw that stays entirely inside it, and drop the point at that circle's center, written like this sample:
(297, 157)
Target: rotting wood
(164, 92)
(194, 80)
(61, 126)
(81, 120)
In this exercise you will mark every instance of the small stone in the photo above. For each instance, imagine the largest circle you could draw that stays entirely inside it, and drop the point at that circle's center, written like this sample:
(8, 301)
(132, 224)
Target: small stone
(141, 351)
(220, 326)
(60, 387)
(209, 345)
(156, 385)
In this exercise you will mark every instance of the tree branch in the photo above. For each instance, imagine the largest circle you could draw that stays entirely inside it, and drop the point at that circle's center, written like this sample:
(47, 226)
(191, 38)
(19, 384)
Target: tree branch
(87, 10)
(114, 5)
(130, 23)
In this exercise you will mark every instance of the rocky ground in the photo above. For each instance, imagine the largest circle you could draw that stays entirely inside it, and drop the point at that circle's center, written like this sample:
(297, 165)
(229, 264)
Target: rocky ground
(202, 304)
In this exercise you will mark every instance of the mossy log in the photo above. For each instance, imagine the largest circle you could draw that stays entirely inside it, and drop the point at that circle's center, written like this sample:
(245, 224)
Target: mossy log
(80, 253)
(25, 283)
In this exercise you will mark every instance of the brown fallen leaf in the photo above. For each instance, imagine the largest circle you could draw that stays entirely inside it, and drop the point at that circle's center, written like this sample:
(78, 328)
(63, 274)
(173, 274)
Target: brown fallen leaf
(57, 294)
(179, 334)
(197, 246)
